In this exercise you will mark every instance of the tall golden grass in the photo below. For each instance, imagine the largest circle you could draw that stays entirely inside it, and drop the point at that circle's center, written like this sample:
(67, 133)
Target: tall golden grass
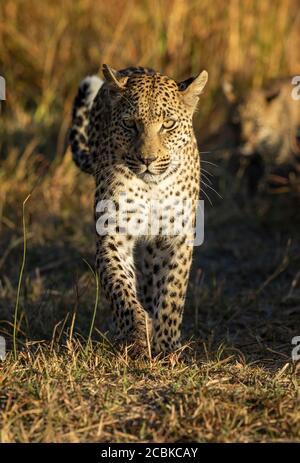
(47, 47)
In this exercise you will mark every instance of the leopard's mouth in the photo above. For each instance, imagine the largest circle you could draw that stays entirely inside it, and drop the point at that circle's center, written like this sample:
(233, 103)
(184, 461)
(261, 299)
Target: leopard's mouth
(153, 172)
(155, 176)
(149, 177)
(142, 170)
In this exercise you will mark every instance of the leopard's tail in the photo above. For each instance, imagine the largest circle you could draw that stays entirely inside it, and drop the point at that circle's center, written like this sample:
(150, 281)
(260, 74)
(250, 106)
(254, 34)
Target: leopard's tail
(78, 139)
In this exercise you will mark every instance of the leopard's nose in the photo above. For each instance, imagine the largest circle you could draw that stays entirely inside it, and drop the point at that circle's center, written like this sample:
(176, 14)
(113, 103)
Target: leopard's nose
(147, 160)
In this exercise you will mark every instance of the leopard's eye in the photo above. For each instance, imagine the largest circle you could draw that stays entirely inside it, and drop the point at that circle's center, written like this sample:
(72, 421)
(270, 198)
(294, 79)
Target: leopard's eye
(169, 124)
(129, 124)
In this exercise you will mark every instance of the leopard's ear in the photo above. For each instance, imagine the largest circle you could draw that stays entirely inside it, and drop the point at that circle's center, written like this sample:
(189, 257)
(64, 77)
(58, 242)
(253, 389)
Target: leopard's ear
(191, 89)
(112, 76)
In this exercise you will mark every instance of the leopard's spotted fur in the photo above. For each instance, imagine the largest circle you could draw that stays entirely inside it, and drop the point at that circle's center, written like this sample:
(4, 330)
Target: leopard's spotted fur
(123, 134)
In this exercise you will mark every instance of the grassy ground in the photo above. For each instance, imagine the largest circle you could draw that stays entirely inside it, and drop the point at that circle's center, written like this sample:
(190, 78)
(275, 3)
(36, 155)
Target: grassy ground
(234, 379)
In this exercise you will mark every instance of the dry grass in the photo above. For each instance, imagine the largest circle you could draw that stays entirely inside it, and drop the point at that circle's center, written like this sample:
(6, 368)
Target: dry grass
(65, 395)
(235, 380)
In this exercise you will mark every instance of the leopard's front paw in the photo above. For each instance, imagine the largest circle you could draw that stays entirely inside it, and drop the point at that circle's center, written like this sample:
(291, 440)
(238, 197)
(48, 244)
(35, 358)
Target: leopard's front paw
(138, 340)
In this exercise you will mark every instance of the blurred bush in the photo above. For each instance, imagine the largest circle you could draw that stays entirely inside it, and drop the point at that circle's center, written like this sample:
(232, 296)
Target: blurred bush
(47, 47)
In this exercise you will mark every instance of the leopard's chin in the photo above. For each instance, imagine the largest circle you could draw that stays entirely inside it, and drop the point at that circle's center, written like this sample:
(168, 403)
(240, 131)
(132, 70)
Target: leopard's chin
(148, 177)
(156, 177)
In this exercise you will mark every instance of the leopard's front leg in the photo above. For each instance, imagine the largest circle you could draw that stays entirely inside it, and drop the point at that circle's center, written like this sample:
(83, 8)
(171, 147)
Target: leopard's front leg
(171, 264)
(116, 269)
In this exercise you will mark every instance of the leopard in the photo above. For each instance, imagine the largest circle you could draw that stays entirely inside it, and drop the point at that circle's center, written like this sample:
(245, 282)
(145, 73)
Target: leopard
(133, 132)
(266, 120)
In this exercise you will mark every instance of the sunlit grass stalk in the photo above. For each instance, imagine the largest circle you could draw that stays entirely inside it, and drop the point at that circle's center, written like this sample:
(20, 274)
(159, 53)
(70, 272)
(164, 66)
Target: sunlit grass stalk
(20, 278)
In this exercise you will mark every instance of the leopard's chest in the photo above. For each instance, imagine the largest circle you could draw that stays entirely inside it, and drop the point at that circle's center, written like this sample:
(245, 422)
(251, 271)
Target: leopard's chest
(138, 198)
(180, 186)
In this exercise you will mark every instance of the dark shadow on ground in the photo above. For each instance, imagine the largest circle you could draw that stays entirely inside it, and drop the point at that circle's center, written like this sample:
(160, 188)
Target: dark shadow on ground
(244, 287)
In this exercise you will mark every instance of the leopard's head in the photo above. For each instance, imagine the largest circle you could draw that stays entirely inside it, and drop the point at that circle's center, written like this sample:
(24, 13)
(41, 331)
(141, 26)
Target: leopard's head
(151, 119)
(257, 115)
(260, 123)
